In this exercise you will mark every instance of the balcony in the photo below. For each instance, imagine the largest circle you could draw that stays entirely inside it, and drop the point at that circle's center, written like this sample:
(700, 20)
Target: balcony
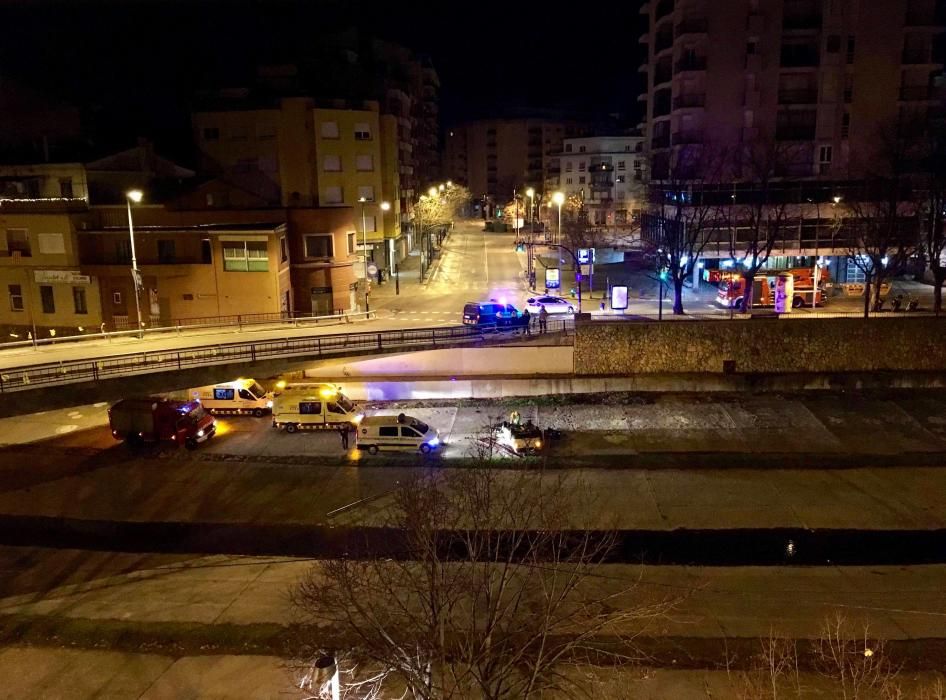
(600, 168)
(916, 93)
(795, 133)
(692, 26)
(663, 74)
(800, 56)
(664, 41)
(689, 101)
(662, 141)
(690, 64)
(917, 57)
(664, 8)
(806, 21)
(804, 96)
(687, 137)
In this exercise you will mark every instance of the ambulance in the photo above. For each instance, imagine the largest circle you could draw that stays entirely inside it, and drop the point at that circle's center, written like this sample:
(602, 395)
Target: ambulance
(400, 432)
(314, 407)
(238, 396)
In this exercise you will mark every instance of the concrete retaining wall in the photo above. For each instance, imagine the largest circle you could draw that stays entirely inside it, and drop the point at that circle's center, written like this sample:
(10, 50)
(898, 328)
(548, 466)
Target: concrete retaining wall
(462, 361)
(761, 346)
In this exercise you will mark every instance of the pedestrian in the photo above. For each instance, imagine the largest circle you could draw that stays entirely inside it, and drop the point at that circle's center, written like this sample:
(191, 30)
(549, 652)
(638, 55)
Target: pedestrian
(527, 322)
(343, 432)
(543, 319)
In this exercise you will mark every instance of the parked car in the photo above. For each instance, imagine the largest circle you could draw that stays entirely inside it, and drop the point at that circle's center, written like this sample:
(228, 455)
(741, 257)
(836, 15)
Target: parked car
(401, 432)
(490, 314)
(553, 305)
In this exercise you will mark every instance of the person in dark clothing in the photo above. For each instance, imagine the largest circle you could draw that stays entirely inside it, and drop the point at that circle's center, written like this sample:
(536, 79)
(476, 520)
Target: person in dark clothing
(343, 432)
(543, 319)
(527, 322)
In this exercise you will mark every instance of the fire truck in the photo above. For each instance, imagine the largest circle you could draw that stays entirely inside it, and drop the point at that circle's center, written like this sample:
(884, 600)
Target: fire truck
(732, 288)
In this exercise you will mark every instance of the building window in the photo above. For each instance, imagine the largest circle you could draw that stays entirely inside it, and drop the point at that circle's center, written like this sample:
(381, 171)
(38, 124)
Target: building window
(568, 148)
(78, 299)
(117, 298)
(319, 245)
(845, 125)
(848, 89)
(366, 191)
(581, 180)
(206, 251)
(122, 251)
(329, 130)
(240, 133)
(18, 242)
(364, 163)
(283, 250)
(65, 187)
(833, 44)
(621, 165)
(266, 132)
(824, 159)
(850, 50)
(211, 133)
(627, 148)
(333, 195)
(581, 149)
(47, 299)
(752, 47)
(370, 223)
(568, 181)
(166, 254)
(581, 166)
(568, 167)
(245, 256)
(351, 243)
(16, 297)
(620, 179)
(362, 132)
(332, 164)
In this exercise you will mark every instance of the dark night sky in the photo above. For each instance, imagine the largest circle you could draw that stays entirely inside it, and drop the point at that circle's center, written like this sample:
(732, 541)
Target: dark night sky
(138, 61)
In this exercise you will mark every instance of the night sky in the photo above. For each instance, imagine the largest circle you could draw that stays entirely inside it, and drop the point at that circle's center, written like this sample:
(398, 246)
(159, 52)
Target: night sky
(135, 64)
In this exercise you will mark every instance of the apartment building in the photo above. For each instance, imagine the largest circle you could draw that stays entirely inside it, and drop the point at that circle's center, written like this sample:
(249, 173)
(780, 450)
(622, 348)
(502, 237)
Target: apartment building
(299, 152)
(814, 81)
(819, 76)
(607, 174)
(493, 157)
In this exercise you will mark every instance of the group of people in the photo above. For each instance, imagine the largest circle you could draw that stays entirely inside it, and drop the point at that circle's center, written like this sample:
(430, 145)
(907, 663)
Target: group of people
(543, 320)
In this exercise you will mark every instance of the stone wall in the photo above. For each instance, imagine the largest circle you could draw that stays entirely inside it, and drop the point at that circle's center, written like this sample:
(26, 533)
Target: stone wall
(761, 346)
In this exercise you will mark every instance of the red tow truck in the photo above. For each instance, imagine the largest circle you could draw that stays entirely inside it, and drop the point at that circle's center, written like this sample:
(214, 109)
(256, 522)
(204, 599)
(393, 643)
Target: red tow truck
(153, 419)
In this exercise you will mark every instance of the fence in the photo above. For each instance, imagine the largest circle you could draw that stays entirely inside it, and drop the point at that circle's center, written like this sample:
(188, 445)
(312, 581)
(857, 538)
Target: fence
(239, 321)
(72, 372)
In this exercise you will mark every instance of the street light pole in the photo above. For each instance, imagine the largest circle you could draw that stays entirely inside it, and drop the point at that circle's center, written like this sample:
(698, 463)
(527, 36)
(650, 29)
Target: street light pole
(559, 199)
(134, 196)
(364, 233)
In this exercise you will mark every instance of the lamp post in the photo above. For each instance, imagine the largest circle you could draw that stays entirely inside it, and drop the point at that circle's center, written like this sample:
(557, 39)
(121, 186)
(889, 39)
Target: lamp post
(364, 234)
(386, 206)
(559, 199)
(530, 193)
(134, 196)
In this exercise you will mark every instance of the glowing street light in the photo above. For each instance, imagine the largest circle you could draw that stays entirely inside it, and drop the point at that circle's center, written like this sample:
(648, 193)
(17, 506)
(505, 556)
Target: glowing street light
(134, 196)
(364, 233)
(432, 191)
(559, 199)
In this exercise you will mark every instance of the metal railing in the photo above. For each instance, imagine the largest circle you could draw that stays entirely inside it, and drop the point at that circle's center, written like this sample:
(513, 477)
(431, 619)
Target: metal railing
(131, 364)
(237, 321)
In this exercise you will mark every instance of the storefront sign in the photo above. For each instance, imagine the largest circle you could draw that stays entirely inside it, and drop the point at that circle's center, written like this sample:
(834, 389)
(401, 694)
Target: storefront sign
(60, 277)
(618, 298)
(553, 278)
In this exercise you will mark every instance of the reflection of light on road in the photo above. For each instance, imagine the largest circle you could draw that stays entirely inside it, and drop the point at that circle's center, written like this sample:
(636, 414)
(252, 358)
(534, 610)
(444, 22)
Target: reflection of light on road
(223, 427)
(355, 455)
(63, 429)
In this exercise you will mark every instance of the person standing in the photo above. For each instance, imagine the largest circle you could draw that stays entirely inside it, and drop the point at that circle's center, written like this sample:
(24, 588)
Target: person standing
(527, 322)
(343, 433)
(543, 319)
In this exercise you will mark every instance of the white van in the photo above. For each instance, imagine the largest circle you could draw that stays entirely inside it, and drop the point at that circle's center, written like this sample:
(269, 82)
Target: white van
(239, 396)
(314, 406)
(396, 433)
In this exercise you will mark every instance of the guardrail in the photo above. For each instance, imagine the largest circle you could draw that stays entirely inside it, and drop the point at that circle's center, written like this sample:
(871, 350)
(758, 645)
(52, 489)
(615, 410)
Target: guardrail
(131, 364)
(205, 323)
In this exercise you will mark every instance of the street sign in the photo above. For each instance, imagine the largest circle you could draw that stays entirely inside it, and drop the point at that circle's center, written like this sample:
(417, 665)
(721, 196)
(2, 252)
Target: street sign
(60, 276)
(553, 278)
(586, 256)
(618, 298)
(372, 269)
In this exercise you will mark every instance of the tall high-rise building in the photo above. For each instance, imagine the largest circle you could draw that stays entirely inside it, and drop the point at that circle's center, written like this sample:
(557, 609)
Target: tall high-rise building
(819, 77)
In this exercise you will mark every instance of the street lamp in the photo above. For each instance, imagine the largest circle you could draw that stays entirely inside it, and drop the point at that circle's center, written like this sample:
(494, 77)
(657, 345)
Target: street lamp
(364, 234)
(386, 206)
(432, 191)
(136, 197)
(559, 199)
(530, 193)
(441, 188)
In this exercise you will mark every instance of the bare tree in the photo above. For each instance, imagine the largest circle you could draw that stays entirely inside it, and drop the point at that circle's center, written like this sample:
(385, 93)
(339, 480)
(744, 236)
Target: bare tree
(880, 224)
(759, 211)
(684, 217)
(931, 198)
(488, 594)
